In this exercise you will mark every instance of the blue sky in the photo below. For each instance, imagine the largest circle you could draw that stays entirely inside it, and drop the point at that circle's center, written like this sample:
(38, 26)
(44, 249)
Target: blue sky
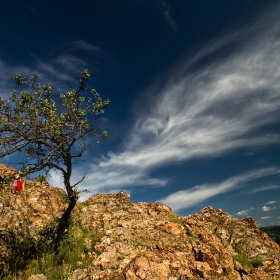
(194, 89)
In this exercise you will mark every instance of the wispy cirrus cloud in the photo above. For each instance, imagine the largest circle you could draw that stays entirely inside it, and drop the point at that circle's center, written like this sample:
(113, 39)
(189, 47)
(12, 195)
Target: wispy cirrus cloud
(6, 81)
(202, 112)
(265, 188)
(193, 196)
(82, 46)
(49, 72)
(271, 202)
(61, 71)
(31, 8)
(167, 15)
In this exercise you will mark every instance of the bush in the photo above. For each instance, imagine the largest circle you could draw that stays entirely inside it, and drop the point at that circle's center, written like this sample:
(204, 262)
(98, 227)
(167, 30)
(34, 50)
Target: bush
(31, 256)
(6, 180)
(175, 218)
(256, 262)
(24, 249)
(41, 178)
(246, 263)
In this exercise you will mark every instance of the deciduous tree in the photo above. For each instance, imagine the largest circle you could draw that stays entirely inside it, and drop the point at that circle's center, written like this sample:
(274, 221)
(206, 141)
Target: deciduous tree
(50, 131)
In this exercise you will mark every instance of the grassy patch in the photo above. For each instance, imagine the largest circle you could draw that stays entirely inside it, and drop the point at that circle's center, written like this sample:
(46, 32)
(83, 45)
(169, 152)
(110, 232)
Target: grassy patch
(213, 228)
(247, 263)
(31, 256)
(175, 218)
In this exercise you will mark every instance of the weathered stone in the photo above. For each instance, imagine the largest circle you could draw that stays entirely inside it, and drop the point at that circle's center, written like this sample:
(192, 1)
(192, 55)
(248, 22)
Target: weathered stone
(170, 227)
(144, 240)
(27, 212)
(37, 277)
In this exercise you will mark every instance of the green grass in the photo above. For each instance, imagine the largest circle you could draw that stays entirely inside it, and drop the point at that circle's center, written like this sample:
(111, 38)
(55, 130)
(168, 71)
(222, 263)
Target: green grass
(247, 263)
(30, 256)
(175, 218)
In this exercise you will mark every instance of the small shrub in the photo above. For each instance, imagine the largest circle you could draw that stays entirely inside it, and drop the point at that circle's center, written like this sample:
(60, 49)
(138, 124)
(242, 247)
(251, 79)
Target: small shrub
(213, 228)
(242, 259)
(257, 262)
(176, 219)
(95, 237)
(245, 262)
(65, 197)
(6, 180)
(31, 256)
(41, 178)
(22, 251)
(115, 266)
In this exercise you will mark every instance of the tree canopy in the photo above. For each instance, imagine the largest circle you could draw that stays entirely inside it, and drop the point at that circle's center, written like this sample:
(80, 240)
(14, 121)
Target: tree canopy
(50, 131)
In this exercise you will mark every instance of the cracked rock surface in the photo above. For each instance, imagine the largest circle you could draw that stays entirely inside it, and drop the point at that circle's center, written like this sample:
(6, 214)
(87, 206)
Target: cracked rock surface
(145, 240)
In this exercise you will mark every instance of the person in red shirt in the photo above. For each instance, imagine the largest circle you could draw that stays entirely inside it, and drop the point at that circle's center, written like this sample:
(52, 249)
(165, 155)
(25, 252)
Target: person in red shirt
(19, 185)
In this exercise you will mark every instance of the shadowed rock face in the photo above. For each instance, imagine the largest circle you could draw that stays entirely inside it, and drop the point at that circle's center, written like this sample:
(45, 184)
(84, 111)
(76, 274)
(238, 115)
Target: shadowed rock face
(144, 240)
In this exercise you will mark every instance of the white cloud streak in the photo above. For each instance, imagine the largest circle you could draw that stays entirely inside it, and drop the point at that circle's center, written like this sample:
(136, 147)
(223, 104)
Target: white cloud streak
(266, 217)
(82, 45)
(198, 113)
(62, 71)
(202, 112)
(48, 73)
(243, 212)
(6, 81)
(265, 188)
(193, 196)
(271, 202)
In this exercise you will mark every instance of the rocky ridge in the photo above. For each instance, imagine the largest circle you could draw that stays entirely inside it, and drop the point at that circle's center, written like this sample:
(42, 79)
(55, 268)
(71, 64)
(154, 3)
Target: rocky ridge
(146, 240)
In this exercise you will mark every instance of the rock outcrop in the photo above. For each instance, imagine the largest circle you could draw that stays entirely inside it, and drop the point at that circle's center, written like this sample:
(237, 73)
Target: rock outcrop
(26, 213)
(147, 240)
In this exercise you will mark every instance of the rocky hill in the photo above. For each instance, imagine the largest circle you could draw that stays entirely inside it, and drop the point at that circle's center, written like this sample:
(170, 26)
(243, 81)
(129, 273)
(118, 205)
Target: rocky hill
(144, 240)
(273, 232)
(27, 213)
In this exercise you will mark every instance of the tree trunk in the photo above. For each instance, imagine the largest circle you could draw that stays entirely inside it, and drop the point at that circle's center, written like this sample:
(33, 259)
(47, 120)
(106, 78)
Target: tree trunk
(65, 219)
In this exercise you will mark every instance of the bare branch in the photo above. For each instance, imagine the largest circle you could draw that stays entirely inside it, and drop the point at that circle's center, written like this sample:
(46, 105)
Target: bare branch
(80, 180)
